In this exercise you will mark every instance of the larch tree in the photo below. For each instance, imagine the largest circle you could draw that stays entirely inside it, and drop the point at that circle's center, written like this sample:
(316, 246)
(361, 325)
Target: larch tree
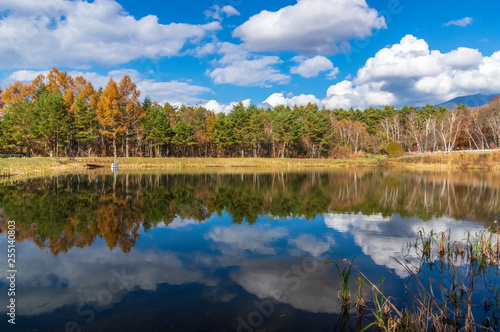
(109, 117)
(131, 109)
(17, 92)
(208, 132)
(59, 81)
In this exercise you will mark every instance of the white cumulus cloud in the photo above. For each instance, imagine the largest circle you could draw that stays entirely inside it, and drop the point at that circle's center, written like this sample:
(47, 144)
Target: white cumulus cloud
(312, 67)
(410, 73)
(310, 26)
(216, 107)
(240, 67)
(80, 33)
(414, 74)
(279, 99)
(244, 238)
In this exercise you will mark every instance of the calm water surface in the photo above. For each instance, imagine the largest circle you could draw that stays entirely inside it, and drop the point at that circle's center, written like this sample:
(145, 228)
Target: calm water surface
(220, 252)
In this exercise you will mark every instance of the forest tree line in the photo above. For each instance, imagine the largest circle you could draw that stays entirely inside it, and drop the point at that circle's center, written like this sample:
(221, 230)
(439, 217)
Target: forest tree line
(59, 115)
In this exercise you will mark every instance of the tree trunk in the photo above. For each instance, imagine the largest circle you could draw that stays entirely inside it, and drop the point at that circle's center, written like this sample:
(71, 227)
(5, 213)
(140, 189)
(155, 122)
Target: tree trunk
(114, 145)
(126, 143)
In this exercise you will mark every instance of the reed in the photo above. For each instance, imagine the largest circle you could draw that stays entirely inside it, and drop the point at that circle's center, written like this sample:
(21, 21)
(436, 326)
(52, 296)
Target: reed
(344, 275)
(445, 305)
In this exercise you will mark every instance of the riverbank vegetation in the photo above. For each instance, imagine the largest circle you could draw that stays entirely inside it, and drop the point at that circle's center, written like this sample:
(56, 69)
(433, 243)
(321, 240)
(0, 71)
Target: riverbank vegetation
(436, 161)
(452, 286)
(53, 166)
(456, 160)
(62, 116)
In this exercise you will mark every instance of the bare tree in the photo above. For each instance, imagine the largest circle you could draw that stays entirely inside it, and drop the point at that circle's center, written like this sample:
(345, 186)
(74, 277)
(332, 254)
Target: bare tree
(421, 131)
(391, 126)
(448, 126)
(473, 128)
(353, 133)
(492, 119)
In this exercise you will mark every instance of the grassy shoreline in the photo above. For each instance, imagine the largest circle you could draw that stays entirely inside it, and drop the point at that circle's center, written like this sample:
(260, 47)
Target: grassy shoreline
(439, 161)
(42, 166)
(447, 161)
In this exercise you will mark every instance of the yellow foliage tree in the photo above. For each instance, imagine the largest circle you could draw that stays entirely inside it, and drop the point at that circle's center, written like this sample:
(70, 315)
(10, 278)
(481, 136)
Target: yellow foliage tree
(110, 118)
(16, 92)
(82, 90)
(131, 109)
(59, 81)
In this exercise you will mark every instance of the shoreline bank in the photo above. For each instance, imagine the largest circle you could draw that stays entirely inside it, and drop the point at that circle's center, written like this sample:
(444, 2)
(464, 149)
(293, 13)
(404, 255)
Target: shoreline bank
(439, 161)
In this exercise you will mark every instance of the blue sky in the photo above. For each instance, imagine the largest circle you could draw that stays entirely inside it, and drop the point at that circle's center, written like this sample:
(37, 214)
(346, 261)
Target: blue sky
(335, 53)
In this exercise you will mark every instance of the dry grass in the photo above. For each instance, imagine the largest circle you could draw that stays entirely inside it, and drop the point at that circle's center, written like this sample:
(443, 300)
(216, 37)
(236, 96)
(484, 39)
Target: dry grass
(35, 166)
(456, 160)
(40, 166)
(439, 161)
(160, 163)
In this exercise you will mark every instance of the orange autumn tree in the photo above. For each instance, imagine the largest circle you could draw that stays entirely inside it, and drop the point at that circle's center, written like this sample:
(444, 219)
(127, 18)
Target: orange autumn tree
(83, 91)
(17, 92)
(108, 113)
(59, 81)
(131, 109)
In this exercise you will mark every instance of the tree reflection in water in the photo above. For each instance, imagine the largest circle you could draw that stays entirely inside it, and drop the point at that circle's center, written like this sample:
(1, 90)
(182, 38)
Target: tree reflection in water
(62, 212)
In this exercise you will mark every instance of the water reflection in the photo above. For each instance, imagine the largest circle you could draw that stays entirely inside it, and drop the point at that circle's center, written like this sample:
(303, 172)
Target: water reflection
(92, 246)
(64, 212)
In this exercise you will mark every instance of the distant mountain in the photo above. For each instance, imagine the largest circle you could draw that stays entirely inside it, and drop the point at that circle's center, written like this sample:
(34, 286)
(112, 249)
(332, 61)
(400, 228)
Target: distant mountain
(470, 101)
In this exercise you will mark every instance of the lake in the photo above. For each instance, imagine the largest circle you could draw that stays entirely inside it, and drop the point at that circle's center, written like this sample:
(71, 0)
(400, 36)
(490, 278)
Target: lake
(239, 251)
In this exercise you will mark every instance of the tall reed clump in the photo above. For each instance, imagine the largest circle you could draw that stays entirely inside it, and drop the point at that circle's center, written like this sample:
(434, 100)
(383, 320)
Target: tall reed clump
(448, 304)
(346, 299)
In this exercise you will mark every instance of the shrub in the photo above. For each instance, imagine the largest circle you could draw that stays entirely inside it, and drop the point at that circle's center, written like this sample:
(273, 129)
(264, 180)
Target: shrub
(341, 152)
(394, 149)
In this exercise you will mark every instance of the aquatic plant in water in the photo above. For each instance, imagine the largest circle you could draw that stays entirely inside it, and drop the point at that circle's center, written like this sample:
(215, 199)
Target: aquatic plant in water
(468, 270)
